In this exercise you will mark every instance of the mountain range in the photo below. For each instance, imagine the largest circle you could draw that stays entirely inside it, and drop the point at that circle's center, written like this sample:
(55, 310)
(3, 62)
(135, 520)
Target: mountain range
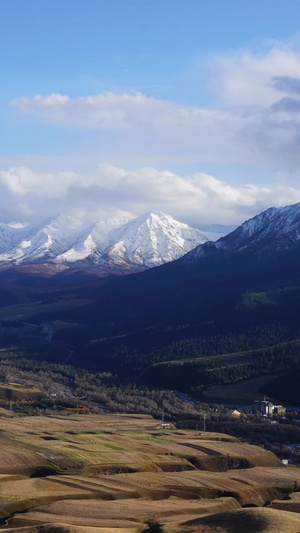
(234, 296)
(262, 254)
(113, 246)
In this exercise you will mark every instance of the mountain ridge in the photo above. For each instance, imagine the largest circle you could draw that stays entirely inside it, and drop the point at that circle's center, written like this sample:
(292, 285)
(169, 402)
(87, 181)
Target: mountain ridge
(238, 296)
(274, 230)
(113, 246)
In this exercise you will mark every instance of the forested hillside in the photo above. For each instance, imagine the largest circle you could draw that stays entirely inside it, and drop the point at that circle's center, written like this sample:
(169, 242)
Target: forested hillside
(214, 317)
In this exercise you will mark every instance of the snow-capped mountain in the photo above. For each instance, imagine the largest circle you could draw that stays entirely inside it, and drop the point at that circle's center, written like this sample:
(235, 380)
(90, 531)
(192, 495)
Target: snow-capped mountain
(93, 241)
(42, 242)
(10, 234)
(273, 230)
(117, 245)
(151, 240)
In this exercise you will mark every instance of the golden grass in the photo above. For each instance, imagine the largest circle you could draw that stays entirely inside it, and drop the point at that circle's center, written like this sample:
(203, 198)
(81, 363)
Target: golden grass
(116, 444)
(17, 459)
(64, 528)
(118, 513)
(16, 391)
(122, 471)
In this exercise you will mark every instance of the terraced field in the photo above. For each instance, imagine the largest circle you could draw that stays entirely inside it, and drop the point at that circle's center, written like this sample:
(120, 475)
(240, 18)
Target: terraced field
(123, 474)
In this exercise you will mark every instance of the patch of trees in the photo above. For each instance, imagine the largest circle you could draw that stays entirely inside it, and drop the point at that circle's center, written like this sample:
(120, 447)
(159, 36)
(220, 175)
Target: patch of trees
(251, 321)
(71, 388)
(193, 375)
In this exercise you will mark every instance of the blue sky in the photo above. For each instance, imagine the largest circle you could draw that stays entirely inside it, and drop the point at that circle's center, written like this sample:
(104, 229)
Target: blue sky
(190, 107)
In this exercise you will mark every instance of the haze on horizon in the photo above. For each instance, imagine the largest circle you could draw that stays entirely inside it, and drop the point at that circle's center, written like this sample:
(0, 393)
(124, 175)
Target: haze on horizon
(119, 108)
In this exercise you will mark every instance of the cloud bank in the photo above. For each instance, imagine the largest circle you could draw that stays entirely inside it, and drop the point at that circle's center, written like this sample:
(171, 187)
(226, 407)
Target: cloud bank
(254, 117)
(197, 199)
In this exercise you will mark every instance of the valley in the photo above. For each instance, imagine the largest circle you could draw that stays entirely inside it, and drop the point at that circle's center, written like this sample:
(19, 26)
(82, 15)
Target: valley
(183, 344)
(150, 266)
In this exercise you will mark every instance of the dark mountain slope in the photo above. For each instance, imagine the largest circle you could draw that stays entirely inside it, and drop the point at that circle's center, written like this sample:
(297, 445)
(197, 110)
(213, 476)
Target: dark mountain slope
(220, 298)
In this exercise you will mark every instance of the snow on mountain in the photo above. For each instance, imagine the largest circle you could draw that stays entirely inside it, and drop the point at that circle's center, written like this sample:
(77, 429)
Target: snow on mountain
(214, 232)
(119, 245)
(151, 240)
(10, 234)
(93, 241)
(274, 230)
(44, 241)
(107, 246)
(18, 225)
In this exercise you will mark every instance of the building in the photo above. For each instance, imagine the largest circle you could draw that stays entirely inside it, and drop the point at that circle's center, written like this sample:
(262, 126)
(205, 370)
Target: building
(264, 407)
(267, 408)
(235, 413)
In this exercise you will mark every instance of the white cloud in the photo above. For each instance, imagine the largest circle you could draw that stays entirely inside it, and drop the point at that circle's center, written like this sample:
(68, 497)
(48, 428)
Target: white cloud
(197, 199)
(21, 181)
(257, 119)
(150, 123)
(106, 110)
(247, 78)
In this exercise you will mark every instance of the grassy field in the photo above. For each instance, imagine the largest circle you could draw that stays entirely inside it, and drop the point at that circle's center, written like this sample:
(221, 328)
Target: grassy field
(15, 391)
(126, 473)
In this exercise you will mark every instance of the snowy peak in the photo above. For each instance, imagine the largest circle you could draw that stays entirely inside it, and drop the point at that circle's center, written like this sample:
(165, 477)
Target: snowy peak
(45, 240)
(10, 234)
(59, 223)
(273, 230)
(119, 245)
(153, 239)
(92, 241)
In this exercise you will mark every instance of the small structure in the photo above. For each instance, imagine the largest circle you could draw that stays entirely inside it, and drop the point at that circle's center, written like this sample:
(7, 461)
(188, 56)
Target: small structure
(166, 425)
(235, 413)
(264, 407)
(267, 408)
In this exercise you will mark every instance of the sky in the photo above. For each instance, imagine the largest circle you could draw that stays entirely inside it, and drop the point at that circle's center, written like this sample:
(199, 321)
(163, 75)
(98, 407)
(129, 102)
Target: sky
(119, 107)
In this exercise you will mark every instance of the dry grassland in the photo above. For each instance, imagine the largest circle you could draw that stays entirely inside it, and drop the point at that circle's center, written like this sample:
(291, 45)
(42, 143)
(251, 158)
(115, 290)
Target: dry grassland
(119, 473)
(63, 528)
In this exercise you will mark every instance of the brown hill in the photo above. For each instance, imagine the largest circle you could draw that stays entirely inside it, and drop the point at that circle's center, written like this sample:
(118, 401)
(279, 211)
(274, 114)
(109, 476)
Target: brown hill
(245, 521)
